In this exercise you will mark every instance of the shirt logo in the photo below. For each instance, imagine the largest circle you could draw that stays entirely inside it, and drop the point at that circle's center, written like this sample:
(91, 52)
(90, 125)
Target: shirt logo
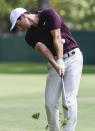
(44, 23)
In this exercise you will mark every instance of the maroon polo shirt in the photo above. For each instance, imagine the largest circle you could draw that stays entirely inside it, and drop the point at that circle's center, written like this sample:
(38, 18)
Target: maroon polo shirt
(49, 20)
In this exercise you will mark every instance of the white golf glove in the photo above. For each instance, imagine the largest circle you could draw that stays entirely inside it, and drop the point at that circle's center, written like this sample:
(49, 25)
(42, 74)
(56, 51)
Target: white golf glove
(62, 65)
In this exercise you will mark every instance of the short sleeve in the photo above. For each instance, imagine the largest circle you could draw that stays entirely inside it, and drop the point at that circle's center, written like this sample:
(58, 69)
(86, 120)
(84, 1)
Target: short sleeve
(54, 19)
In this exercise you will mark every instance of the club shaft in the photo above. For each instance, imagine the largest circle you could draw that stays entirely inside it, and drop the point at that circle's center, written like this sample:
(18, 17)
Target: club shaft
(64, 94)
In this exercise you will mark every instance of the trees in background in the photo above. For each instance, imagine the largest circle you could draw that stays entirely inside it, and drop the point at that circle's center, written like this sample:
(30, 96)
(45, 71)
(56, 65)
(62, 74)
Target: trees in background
(78, 14)
(42, 4)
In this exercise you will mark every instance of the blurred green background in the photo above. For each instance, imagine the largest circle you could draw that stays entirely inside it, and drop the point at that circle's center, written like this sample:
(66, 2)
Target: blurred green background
(78, 14)
(23, 71)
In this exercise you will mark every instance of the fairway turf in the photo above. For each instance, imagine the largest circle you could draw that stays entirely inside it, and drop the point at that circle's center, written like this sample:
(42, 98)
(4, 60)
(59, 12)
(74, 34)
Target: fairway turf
(33, 68)
(21, 95)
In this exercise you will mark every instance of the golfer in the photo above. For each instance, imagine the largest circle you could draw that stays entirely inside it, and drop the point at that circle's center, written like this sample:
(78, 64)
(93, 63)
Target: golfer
(47, 33)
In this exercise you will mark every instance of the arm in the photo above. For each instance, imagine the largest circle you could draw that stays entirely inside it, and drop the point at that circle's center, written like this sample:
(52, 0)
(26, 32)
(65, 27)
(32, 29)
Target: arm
(57, 43)
(58, 47)
(48, 55)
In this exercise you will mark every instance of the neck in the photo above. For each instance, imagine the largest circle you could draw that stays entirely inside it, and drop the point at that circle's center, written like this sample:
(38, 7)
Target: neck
(34, 19)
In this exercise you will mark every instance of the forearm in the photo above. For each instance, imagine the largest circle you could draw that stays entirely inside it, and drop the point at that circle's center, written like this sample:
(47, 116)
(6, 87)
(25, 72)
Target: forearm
(59, 48)
(49, 56)
(56, 33)
(46, 53)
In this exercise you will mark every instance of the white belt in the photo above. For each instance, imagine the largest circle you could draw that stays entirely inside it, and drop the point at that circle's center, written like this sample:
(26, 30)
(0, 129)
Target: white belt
(68, 54)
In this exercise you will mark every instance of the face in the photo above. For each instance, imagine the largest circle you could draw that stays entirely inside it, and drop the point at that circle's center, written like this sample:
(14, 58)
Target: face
(22, 23)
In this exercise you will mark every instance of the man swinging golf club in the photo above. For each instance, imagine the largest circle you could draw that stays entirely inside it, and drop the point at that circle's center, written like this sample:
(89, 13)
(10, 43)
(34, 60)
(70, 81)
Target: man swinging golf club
(45, 32)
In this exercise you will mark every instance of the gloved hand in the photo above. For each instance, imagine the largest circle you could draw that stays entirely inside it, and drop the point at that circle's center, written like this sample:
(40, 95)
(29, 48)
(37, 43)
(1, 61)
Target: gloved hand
(61, 67)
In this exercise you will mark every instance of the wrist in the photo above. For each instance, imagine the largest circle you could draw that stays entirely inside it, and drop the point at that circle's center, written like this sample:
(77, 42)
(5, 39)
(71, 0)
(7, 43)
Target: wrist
(60, 61)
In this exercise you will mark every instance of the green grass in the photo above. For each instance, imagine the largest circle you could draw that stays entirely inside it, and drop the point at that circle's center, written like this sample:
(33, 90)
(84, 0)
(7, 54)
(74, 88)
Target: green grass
(23, 68)
(33, 68)
(21, 95)
(86, 100)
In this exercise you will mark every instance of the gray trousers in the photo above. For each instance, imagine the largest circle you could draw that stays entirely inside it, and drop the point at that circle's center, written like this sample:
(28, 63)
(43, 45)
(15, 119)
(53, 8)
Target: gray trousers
(73, 70)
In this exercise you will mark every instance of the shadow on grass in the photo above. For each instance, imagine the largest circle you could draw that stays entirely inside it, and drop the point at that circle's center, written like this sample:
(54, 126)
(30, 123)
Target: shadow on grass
(33, 68)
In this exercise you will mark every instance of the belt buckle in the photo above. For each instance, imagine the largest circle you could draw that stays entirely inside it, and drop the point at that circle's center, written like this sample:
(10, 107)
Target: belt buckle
(68, 54)
(73, 52)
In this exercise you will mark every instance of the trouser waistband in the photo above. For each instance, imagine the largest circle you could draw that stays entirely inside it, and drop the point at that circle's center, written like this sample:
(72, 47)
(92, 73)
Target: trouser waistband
(68, 54)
